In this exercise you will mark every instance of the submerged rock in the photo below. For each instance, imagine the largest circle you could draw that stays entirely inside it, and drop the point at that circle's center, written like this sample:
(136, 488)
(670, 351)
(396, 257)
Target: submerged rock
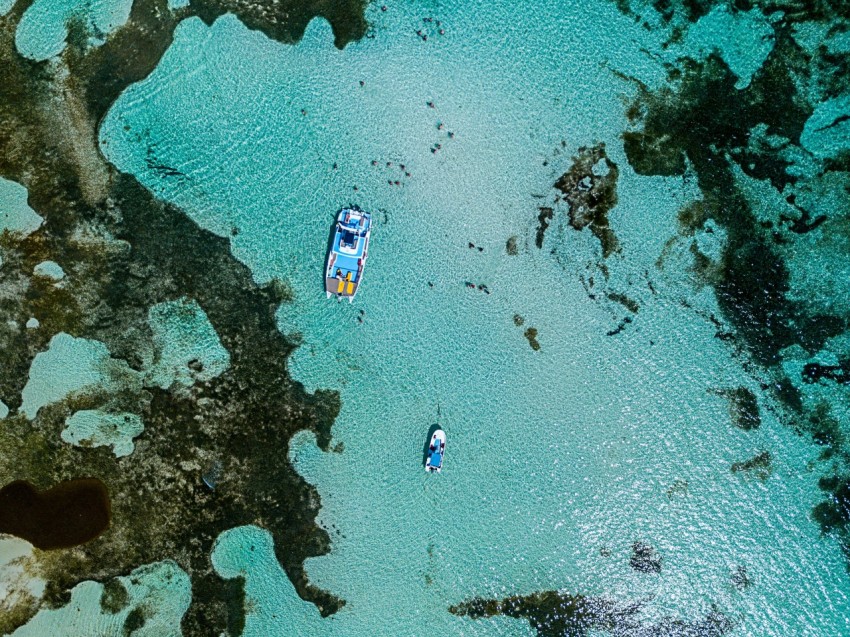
(743, 407)
(590, 190)
(531, 335)
(740, 578)
(645, 559)
(544, 218)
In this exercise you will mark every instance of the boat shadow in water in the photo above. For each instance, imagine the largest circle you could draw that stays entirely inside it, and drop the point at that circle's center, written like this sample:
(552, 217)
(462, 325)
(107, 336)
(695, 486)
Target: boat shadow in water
(431, 431)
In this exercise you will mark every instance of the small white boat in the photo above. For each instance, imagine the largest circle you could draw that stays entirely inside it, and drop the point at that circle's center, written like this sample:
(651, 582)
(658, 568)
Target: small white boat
(348, 252)
(436, 452)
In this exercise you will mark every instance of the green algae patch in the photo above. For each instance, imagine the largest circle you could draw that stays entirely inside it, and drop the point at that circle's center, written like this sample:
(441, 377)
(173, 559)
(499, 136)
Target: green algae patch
(114, 598)
(770, 158)
(69, 514)
(743, 407)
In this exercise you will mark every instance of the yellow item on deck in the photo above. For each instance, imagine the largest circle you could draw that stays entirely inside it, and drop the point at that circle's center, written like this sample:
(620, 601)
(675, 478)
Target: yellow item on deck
(341, 286)
(350, 288)
(348, 277)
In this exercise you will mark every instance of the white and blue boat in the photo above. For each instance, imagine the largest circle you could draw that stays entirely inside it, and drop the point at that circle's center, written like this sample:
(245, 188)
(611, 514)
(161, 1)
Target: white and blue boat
(348, 251)
(436, 452)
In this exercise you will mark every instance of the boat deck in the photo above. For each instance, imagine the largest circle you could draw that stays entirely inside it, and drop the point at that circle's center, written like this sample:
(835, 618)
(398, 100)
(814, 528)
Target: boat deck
(340, 286)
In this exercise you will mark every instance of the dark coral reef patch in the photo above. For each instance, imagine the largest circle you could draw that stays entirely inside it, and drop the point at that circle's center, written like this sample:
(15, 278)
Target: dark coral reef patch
(745, 149)
(743, 407)
(560, 614)
(124, 251)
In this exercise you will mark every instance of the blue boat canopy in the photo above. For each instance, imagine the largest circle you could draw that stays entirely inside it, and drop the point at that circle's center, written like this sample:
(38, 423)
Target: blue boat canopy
(436, 459)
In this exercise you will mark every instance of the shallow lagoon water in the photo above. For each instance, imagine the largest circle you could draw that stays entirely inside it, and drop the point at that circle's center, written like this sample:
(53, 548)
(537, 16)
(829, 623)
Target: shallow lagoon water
(43, 30)
(15, 213)
(558, 460)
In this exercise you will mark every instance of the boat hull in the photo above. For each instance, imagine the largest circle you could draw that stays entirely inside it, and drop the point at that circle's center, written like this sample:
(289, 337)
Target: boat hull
(347, 253)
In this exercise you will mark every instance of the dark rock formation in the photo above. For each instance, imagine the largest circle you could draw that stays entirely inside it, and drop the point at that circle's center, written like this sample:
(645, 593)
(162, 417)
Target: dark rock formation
(590, 189)
(559, 614)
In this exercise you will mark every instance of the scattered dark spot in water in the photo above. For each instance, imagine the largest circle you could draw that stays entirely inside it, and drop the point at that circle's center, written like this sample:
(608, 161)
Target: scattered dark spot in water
(623, 300)
(544, 218)
(740, 578)
(511, 246)
(518, 320)
(339, 447)
(679, 487)
(114, 597)
(590, 190)
(560, 614)
(645, 559)
(620, 327)
(760, 465)
(531, 335)
(71, 513)
(743, 407)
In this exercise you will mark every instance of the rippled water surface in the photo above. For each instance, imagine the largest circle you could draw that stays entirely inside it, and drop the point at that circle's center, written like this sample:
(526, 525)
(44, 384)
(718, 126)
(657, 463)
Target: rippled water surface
(452, 122)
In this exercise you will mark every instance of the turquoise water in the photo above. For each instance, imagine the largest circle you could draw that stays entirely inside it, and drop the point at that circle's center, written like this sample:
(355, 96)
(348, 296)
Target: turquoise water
(160, 592)
(95, 428)
(69, 365)
(43, 29)
(558, 460)
(15, 213)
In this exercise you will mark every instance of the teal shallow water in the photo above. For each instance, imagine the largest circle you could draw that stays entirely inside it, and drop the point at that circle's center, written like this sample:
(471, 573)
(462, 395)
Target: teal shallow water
(557, 460)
